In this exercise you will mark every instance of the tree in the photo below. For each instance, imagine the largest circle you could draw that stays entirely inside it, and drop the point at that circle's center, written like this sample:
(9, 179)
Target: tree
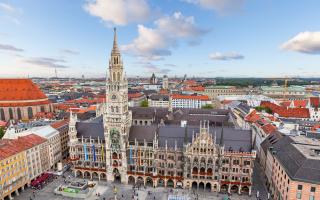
(144, 103)
(1, 133)
(262, 108)
(207, 106)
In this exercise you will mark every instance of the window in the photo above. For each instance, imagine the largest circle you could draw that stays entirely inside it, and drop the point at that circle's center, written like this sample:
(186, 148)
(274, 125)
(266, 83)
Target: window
(313, 189)
(299, 187)
(299, 195)
(311, 197)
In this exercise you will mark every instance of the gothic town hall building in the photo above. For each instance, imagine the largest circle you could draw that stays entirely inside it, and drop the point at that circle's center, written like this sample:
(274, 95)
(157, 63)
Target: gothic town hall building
(162, 147)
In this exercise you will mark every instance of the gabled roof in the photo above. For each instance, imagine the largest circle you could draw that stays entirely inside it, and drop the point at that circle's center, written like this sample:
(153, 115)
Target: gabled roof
(315, 102)
(287, 112)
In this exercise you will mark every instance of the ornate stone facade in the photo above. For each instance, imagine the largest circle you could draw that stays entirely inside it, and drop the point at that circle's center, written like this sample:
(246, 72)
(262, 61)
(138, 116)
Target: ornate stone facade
(163, 147)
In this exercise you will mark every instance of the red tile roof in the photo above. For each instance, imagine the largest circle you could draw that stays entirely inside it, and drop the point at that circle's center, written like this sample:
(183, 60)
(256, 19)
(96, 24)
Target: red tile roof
(315, 102)
(300, 103)
(269, 128)
(252, 117)
(135, 95)
(286, 103)
(19, 92)
(59, 124)
(181, 96)
(11, 147)
(287, 112)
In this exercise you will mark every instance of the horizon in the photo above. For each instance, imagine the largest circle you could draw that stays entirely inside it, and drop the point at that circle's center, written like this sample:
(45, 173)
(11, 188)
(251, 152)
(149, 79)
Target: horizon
(162, 37)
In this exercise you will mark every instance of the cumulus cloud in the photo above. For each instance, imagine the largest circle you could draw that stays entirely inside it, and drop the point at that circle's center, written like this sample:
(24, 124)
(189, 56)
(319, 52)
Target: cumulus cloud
(70, 51)
(7, 47)
(226, 56)
(220, 6)
(47, 62)
(155, 43)
(119, 12)
(304, 42)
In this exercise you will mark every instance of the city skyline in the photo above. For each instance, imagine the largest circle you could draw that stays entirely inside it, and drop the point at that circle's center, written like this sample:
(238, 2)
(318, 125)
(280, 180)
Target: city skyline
(175, 37)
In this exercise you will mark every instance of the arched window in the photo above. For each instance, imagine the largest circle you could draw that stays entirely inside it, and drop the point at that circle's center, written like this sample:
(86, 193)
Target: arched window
(42, 108)
(30, 113)
(118, 78)
(19, 113)
(112, 109)
(10, 113)
(117, 109)
(114, 76)
(2, 117)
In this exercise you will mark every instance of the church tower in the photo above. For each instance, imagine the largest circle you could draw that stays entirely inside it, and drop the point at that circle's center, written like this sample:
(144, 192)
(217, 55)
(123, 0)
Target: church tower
(117, 118)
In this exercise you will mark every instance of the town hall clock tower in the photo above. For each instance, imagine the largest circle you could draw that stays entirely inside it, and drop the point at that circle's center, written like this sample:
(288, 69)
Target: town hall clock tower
(117, 117)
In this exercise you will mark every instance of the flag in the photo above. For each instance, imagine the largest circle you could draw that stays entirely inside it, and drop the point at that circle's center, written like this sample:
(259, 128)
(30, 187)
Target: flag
(85, 152)
(102, 152)
(130, 156)
(93, 153)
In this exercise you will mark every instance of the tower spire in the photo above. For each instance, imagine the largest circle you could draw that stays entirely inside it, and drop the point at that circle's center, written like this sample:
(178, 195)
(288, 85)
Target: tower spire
(115, 48)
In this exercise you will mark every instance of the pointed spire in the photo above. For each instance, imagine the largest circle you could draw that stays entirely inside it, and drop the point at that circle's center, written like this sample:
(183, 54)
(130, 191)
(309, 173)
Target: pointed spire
(221, 137)
(115, 48)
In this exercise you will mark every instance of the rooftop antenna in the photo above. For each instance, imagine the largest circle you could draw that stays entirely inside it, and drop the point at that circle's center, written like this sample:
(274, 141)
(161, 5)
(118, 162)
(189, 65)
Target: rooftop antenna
(55, 72)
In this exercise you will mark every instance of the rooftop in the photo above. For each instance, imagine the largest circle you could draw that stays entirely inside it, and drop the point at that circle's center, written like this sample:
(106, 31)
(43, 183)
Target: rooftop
(14, 92)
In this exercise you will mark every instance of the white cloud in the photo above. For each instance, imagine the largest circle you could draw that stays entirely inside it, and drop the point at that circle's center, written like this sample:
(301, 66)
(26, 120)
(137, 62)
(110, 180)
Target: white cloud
(7, 7)
(304, 42)
(119, 12)
(220, 6)
(10, 13)
(155, 43)
(226, 56)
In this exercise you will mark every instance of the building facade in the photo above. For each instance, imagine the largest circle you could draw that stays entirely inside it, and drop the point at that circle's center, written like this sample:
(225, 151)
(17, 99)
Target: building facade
(189, 101)
(159, 146)
(21, 99)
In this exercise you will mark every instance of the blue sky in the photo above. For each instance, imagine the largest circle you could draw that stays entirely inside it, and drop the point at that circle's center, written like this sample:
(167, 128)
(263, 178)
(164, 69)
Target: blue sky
(207, 38)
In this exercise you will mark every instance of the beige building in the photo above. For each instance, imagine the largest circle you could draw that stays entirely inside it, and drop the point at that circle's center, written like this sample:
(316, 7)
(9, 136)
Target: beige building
(50, 134)
(21, 161)
(215, 91)
(295, 172)
(158, 101)
(63, 128)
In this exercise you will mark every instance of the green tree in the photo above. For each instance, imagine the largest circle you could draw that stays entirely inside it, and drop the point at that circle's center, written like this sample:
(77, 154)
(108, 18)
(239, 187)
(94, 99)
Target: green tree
(1, 133)
(207, 106)
(144, 103)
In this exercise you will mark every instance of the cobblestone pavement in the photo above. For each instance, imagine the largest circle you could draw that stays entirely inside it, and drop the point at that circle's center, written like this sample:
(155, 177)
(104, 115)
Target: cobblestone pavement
(125, 192)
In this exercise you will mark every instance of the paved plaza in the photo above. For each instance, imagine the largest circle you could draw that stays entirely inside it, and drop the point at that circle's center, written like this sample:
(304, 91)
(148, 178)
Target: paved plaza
(125, 192)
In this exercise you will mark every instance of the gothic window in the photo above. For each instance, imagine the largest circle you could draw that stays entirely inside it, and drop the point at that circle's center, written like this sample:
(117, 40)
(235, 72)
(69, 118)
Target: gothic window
(117, 109)
(114, 76)
(112, 109)
(19, 113)
(30, 113)
(10, 113)
(2, 117)
(42, 109)
(118, 78)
